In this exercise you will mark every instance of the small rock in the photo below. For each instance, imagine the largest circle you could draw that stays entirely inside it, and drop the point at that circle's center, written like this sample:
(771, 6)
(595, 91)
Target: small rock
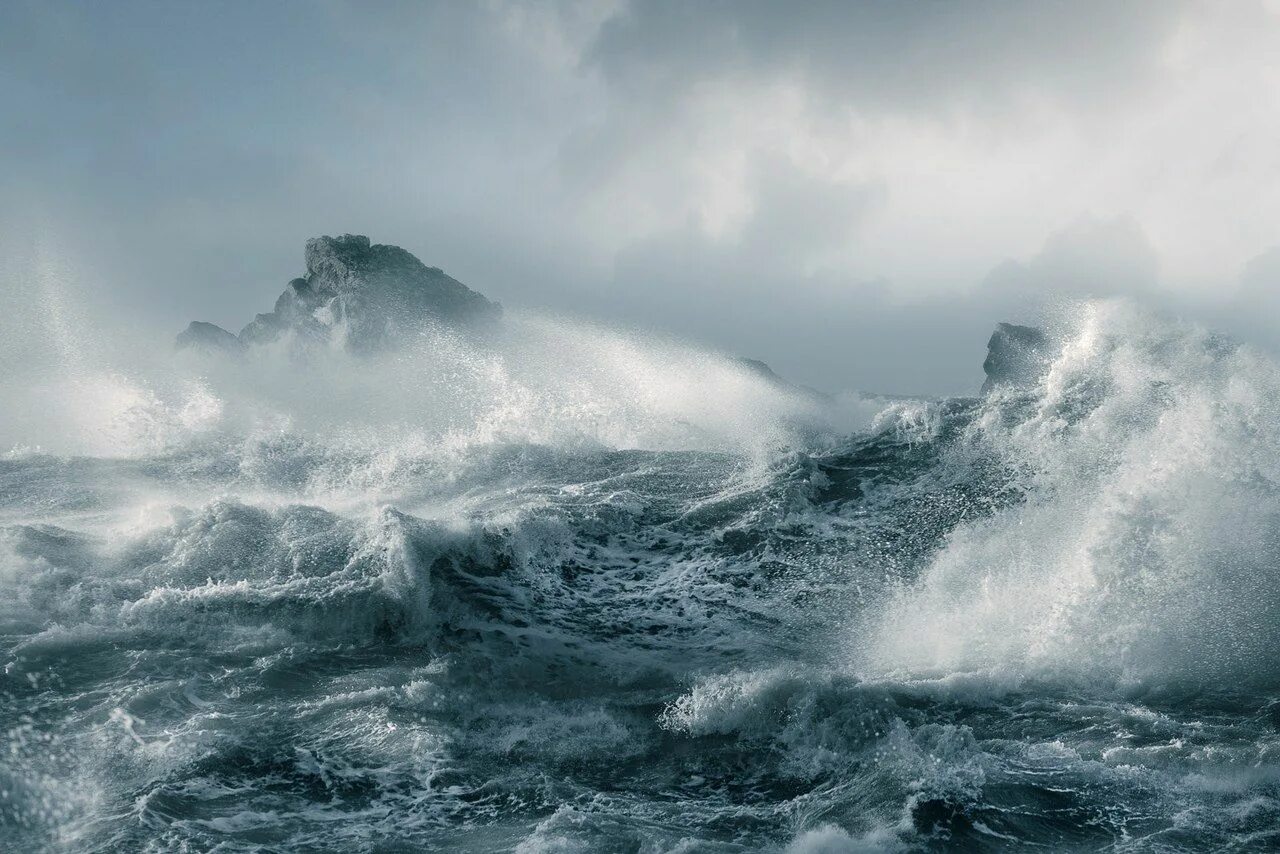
(209, 337)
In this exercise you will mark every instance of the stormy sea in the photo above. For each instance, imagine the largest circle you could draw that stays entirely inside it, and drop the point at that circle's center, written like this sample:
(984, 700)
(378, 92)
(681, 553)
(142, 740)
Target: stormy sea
(395, 569)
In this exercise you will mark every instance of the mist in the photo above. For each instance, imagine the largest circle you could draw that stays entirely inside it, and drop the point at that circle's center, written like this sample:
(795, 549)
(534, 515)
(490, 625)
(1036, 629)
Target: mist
(854, 194)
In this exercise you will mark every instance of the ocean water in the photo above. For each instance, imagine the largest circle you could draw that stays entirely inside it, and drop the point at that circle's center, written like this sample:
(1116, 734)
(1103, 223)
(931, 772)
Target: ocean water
(572, 590)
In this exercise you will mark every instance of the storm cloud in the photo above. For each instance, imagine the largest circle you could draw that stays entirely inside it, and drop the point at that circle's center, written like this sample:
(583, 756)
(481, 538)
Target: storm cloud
(854, 192)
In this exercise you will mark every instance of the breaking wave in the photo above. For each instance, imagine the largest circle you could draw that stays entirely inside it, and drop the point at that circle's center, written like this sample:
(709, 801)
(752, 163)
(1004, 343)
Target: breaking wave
(565, 589)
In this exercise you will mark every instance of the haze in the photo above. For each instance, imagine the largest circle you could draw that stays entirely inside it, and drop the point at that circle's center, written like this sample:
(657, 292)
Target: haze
(854, 193)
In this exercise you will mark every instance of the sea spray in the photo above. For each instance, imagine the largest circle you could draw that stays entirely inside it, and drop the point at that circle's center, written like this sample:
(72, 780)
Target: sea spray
(567, 588)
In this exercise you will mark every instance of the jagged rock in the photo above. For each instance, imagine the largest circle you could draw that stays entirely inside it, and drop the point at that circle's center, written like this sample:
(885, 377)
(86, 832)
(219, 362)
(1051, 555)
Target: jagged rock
(366, 297)
(207, 336)
(1016, 355)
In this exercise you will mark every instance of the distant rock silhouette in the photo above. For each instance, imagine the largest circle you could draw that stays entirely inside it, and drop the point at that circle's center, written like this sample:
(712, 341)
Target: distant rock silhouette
(208, 336)
(368, 298)
(361, 296)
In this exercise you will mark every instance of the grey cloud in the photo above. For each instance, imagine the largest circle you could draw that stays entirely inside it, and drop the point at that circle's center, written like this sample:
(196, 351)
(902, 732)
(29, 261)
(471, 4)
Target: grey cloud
(799, 216)
(888, 56)
(1091, 257)
(178, 154)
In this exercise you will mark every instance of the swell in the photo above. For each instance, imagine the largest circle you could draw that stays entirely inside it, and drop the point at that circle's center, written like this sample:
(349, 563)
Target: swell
(536, 610)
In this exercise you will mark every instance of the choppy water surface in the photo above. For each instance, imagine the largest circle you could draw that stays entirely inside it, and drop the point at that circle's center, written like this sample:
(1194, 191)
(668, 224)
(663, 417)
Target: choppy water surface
(573, 592)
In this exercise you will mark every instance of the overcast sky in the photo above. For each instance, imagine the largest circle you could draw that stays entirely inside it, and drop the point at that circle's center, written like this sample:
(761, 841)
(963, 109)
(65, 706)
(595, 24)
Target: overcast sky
(853, 192)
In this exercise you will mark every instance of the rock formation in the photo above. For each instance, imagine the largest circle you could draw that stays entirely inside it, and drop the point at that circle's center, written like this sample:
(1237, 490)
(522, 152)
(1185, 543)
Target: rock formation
(208, 336)
(359, 296)
(1016, 355)
(371, 297)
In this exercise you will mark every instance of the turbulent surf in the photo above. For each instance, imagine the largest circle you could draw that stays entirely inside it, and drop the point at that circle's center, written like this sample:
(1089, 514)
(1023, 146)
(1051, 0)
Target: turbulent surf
(551, 587)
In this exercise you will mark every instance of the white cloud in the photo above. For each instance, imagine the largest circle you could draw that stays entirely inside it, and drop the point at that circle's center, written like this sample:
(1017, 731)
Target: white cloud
(987, 127)
(730, 170)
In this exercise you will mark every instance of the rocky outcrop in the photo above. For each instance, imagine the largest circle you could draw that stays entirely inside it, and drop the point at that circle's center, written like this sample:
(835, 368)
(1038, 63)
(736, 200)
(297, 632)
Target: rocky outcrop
(361, 296)
(208, 336)
(1016, 355)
